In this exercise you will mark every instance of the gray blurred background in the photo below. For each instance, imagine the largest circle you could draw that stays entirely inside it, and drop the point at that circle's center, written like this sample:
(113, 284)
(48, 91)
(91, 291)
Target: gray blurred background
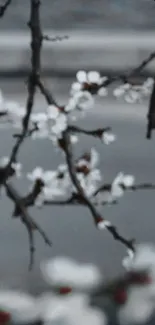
(111, 36)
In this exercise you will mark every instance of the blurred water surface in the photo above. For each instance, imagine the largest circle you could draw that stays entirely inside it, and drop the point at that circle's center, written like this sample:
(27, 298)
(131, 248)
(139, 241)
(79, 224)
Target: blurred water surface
(84, 14)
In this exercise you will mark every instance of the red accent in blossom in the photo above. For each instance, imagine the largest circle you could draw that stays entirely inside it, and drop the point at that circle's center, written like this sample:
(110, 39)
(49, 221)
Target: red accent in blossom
(83, 169)
(61, 108)
(120, 296)
(99, 219)
(139, 278)
(65, 290)
(4, 317)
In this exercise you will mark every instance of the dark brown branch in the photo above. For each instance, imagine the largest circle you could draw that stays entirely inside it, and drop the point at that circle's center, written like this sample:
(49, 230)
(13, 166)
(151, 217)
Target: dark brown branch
(46, 93)
(96, 133)
(30, 224)
(55, 39)
(76, 183)
(125, 77)
(4, 7)
(151, 114)
(22, 203)
(36, 42)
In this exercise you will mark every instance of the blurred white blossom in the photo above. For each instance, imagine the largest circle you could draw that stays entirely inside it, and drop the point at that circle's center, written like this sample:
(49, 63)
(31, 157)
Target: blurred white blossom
(63, 271)
(134, 93)
(121, 180)
(57, 120)
(56, 183)
(72, 309)
(108, 137)
(16, 166)
(21, 306)
(140, 303)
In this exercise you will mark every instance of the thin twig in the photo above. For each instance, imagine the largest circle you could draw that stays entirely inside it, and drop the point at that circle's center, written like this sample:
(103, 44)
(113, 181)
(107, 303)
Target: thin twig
(96, 133)
(4, 7)
(151, 114)
(96, 216)
(30, 224)
(55, 39)
(21, 203)
(124, 77)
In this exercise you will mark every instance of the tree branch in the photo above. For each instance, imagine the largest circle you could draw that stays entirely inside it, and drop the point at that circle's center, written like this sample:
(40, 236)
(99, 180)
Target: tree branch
(96, 133)
(124, 77)
(4, 7)
(96, 216)
(151, 114)
(30, 224)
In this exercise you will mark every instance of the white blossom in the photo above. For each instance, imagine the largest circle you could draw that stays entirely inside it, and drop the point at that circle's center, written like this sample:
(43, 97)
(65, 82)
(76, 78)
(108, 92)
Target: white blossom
(63, 271)
(83, 100)
(143, 258)
(70, 310)
(94, 158)
(21, 306)
(108, 137)
(37, 173)
(121, 179)
(140, 303)
(15, 165)
(132, 96)
(103, 224)
(102, 92)
(90, 78)
(138, 309)
(15, 113)
(57, 121)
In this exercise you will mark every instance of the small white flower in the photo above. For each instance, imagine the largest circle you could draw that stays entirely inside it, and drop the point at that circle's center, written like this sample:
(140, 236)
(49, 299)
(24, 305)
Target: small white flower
(103, 224)
(132, 96)
(127, 261)
(102, 92)
(50, 193)
(138, 309)
(84, 100)
(4, 161)
(52, 112)
(94, 158)
(74, 139)
(148, 83)
(15, 165)
(17, 168)
(118, 92)
(62, 168)
(49, 176)
(81, 76)
(126, 86)
(60, 125)
(93, 77)
(108, 137)
(63, 271)
(72, 309)
(38, 117)
(121, 179)
(37, 173)
(142, 259)
(128, 180)
(76, 86)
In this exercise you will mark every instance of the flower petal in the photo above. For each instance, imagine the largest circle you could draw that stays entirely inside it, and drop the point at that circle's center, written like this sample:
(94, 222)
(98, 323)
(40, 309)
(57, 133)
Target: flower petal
(52, 111)
(81, 76)
(93, 77)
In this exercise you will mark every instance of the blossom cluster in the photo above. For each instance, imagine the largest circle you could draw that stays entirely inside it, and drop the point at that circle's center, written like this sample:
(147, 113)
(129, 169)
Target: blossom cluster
(134, 93)
(57, 183)
(72, 286)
